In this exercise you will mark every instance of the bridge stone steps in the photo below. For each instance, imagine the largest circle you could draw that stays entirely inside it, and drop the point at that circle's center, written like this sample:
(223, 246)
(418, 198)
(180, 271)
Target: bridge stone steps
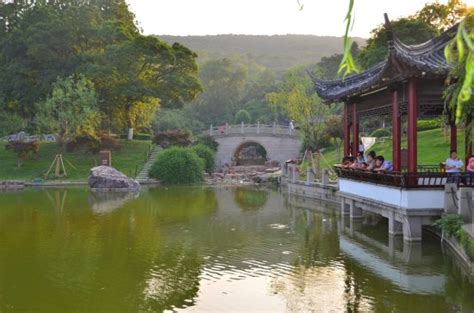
(143, 175)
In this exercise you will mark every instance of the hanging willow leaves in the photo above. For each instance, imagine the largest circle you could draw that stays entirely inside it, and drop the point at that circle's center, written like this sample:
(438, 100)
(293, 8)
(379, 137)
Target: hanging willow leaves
(348, 64)
(460, 53)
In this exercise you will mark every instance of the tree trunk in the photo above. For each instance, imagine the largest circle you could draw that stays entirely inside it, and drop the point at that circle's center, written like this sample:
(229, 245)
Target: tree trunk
(129, 122)
(130, 133)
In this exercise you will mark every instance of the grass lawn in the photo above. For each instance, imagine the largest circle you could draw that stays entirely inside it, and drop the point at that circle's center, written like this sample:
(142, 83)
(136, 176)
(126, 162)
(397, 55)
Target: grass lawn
(433, 148)
(129, 160)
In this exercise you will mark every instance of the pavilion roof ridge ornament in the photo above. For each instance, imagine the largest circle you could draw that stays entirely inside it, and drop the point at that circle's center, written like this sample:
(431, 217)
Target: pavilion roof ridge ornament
(402, 61)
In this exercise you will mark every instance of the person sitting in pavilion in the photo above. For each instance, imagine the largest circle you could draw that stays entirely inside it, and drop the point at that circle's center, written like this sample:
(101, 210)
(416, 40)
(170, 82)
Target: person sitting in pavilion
(370, 160)
(381, 165)
(453, 164)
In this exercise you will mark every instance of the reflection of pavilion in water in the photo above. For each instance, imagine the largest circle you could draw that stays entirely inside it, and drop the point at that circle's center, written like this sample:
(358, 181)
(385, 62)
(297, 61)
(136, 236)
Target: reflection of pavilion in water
(399, 262)
(402, 263)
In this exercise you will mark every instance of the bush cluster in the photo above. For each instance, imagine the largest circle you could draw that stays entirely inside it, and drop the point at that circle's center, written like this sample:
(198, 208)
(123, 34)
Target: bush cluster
(93, 144)
(178, 166)
(427, 124)
(380, 132)
(179, 137)
(207, 141)
(207, 155)
(22, 149)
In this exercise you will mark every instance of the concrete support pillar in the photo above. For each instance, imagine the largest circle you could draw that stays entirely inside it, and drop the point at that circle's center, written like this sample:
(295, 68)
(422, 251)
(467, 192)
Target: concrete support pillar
(325, 178)
(395, 228)
(296, 174)
(465, 204)
(344, 207)
(355, 212)
(451, 198)
(309, 176)
(412, 226)
(412, 252)
(290, 170)
(355, 225)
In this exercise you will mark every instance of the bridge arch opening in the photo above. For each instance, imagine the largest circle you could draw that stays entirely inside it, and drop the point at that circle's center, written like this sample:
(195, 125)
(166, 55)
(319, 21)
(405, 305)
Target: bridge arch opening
(250, 153)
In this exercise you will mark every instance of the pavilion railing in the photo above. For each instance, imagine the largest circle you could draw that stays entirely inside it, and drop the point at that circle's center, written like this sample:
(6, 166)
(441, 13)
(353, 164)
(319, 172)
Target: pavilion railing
(426, 178)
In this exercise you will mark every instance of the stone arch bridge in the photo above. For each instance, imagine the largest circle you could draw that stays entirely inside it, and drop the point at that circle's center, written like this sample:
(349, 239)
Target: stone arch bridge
(280, 142)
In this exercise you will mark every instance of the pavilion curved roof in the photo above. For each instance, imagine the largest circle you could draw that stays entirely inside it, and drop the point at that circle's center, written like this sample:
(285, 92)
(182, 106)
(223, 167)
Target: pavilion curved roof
(402, 61)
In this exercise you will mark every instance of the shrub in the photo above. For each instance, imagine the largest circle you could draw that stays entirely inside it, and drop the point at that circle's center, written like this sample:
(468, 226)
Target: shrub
(208, 155)
(22, 149)
(207, 141)
(427, 124)
(93, 144)
(179, 137)
(87, 143)
(381, 132)
(178, 166)
(450, 224)
(242, 116)
(108, 142)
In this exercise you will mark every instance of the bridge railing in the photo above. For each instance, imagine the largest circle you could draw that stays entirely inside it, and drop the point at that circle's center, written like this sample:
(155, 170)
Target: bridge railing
(269, 129)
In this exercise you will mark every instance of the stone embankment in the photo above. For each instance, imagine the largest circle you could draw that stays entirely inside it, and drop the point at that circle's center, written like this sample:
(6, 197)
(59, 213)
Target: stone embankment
(245, 175)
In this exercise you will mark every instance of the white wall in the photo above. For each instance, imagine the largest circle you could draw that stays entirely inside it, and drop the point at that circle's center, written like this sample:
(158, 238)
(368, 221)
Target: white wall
(403, 198)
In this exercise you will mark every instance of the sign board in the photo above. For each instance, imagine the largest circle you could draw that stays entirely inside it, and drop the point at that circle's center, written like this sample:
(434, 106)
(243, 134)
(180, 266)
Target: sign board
(105, 158)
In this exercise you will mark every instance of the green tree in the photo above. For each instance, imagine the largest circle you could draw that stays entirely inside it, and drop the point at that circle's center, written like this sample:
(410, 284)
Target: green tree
(302, 105)
(224, 84)
(408, 30)
(442, 16)
(242, 116)
(70, 110)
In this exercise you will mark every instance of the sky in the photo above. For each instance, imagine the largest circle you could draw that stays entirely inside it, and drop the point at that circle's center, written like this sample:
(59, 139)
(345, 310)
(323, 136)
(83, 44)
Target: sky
(266, 17)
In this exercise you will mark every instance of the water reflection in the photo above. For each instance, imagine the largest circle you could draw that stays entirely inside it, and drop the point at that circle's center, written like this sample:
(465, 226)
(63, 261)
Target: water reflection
(250, 198)
(107, 202)
(200, 249)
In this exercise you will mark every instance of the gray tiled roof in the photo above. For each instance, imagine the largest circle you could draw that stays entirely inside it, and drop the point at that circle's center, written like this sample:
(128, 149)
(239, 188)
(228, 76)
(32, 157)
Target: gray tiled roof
(402, 61)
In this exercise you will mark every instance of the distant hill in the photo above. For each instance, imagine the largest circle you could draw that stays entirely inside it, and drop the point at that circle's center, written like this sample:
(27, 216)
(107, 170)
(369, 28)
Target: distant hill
(278, 52)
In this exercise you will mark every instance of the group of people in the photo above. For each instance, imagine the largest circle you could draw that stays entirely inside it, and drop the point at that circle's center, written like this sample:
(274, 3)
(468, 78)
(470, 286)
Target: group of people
(374, 163)
(371, 162)
(455, 165)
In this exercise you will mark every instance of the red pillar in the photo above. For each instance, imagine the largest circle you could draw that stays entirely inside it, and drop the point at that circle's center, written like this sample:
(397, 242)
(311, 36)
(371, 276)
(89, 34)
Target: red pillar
(468, 138)
(454, 136)
(347, 130)
(355, 130)
(412, 134)
(396, 133)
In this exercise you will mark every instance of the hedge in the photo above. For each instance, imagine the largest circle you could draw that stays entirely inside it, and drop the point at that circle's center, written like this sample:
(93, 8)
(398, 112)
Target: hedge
(178, 166)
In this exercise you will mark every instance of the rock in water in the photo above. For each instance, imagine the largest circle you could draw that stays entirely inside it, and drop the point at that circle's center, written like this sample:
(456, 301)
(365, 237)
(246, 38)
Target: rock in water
(105, 177)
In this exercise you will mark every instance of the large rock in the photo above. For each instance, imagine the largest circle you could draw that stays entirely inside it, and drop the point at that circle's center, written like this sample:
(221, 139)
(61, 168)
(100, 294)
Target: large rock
(105, 177)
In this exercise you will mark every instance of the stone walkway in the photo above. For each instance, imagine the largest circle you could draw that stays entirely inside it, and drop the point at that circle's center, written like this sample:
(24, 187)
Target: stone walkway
(143, 177)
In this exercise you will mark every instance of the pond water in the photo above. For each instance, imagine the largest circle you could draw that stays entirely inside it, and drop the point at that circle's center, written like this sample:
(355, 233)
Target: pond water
(211, 249)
